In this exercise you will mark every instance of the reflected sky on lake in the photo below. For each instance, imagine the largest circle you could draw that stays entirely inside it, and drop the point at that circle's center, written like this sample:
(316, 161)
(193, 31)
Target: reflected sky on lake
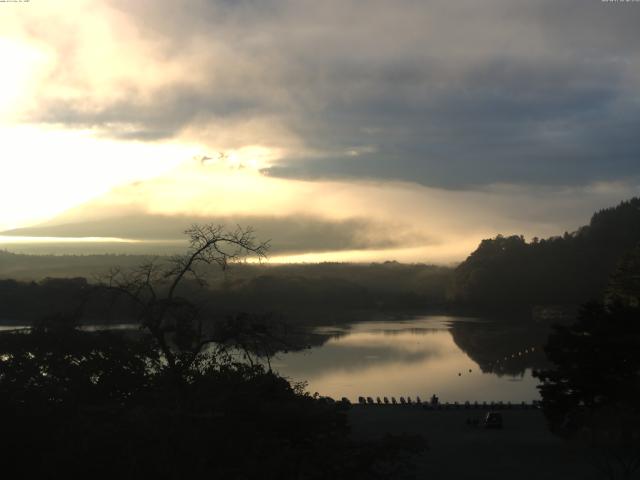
(416, 357)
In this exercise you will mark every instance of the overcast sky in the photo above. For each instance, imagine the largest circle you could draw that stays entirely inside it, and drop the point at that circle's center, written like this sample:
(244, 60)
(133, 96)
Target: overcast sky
(423, 126)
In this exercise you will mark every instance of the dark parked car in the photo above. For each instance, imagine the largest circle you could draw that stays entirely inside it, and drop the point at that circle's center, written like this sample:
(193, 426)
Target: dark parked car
(493, 420)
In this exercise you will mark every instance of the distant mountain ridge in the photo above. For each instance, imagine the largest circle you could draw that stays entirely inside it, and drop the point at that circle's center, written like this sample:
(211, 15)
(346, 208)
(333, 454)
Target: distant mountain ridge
(507, 271)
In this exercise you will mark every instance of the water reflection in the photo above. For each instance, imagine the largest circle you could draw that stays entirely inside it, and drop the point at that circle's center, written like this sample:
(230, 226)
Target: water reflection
(503, 348)
(416, 357)
(456, 358)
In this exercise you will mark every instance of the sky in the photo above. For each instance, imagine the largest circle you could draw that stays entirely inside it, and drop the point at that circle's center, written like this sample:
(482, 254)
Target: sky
(342, 129)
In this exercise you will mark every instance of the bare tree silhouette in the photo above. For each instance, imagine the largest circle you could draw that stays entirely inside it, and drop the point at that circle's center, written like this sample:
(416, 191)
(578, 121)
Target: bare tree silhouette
(154, 288)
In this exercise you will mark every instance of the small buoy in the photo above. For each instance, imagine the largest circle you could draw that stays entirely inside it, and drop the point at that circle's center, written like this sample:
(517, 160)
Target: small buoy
(459, 374)
(469, 370)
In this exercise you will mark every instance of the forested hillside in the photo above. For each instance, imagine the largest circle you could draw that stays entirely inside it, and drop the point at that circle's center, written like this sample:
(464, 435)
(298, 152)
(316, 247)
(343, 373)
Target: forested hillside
(508, 271)
(304, 289)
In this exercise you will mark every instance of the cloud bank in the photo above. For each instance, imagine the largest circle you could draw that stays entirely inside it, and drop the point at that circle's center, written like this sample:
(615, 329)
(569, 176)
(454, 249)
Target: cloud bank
(442, 122)
(455, 95)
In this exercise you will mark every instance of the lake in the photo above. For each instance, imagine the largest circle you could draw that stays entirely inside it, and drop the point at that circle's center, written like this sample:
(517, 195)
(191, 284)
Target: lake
(412, 357)
(457, 358)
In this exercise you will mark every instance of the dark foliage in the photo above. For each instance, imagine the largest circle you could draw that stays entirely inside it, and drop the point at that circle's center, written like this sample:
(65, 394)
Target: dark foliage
(509, 272)
(597, 362)
(597, 358)
(169, 400)
(624, 285)
(592, 396)
(30, 301)
(298, 292)
(104, 405)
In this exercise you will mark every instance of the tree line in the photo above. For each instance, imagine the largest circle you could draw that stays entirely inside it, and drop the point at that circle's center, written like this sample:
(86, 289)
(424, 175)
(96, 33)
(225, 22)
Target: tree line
(173, 400)
(508, 271)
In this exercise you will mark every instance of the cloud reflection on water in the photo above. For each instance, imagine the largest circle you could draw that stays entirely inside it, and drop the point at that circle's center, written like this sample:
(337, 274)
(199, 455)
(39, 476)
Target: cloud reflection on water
(416, 357)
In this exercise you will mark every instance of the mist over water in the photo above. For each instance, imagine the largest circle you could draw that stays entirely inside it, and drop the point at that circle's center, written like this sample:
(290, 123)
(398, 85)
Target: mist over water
(414, 357)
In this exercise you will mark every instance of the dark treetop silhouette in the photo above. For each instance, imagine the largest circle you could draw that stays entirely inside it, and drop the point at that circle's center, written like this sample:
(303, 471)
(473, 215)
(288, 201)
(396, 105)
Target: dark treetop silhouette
(592, 395)
(508, 272)
(153, 288)
(128, 405)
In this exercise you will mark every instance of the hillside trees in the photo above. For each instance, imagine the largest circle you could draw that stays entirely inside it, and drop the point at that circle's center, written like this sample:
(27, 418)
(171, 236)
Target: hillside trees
(569, 270)
(592, 393)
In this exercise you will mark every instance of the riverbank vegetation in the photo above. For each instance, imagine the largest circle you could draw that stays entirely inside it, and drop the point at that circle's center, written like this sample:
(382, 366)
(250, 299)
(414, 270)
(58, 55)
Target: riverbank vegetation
(173, 399)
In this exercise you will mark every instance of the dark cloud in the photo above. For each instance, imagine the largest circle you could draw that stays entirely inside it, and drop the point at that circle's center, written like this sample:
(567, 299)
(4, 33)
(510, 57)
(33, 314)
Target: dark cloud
(447, 94)
(163, 116)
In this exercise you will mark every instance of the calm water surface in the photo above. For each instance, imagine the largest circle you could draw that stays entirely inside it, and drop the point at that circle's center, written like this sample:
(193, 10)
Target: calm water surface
(416, 357)
(412, 357)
